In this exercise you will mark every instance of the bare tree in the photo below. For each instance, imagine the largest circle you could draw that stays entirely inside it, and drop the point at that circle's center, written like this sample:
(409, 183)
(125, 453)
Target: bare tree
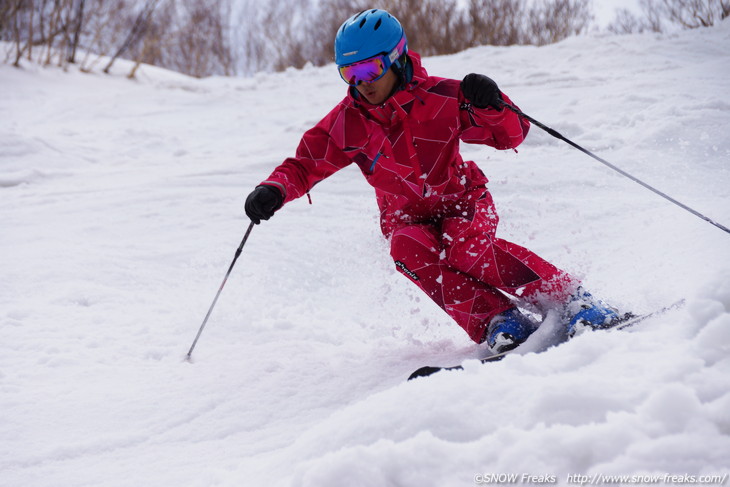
(102, 30)
(196, 37)
(157, 32)
(686, 14)
(625, 22)
(496, 22)
(210, 23)
(9, 28)
(691, 14)
(433, 27)
(323, 22)
(55, 36)
(138, 30)
(555, 20)
(653, 15)
(190, 36)
(78, 21)
(6, 9)
(34, 23)
(279, 34)
(249, 36)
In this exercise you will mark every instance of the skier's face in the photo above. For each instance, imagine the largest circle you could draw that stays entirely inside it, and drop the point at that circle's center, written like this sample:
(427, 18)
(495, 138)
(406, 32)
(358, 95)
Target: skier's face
(379, 90)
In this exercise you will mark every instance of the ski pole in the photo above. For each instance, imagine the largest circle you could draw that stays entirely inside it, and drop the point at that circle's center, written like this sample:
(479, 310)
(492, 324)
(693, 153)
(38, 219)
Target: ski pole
(556, 134)
(235, 258)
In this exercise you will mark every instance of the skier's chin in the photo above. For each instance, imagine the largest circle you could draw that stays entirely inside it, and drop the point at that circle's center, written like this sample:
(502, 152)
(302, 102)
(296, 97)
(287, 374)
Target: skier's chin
(374, 98)
(373, 94)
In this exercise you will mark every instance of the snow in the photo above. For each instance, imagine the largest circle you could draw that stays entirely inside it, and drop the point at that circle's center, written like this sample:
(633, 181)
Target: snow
(122, 206)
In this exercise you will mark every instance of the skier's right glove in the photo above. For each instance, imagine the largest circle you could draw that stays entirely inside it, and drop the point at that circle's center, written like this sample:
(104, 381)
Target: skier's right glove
(263, 202)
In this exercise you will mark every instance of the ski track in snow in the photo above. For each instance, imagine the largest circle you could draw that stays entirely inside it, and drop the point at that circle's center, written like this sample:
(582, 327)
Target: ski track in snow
(122, 206)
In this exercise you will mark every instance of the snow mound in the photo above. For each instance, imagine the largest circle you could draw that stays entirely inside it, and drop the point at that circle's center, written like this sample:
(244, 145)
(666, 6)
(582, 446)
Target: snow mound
(582, 407)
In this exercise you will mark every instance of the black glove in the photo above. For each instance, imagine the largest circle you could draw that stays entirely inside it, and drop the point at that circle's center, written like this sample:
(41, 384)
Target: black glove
(263, 202)
(481, 91)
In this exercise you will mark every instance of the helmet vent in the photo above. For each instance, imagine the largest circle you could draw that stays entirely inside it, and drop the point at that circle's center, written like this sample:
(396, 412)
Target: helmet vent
(377, 24)
(362, 22)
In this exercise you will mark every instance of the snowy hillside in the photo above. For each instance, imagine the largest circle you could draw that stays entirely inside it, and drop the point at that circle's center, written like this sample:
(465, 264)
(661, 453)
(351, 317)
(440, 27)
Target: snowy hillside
(122, 206)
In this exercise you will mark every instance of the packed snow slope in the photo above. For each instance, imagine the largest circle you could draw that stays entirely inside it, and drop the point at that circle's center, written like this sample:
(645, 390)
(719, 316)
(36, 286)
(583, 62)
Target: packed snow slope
(122, 206)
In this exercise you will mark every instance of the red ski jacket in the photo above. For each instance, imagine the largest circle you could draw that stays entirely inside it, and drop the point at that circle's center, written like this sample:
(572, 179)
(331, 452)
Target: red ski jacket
(407, 148)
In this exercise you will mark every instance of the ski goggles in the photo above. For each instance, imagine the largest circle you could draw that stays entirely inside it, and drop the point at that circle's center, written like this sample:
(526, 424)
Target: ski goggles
(372, 68)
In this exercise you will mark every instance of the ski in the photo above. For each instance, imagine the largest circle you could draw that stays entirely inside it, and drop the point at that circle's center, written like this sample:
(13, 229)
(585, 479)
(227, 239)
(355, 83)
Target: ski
(634, 320)
(428, 369)
(627, 321)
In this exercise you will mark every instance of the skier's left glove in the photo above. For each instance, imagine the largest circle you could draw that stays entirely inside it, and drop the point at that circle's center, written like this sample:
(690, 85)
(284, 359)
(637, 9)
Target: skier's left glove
(263, 202)
(481, 91)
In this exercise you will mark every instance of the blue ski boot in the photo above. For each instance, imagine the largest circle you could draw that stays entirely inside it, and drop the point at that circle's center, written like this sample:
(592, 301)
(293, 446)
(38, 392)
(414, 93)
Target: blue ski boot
(584, 312)
(507, 330)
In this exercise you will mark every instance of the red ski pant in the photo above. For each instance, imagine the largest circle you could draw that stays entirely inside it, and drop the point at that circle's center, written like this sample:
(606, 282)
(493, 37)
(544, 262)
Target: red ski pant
(466, 270)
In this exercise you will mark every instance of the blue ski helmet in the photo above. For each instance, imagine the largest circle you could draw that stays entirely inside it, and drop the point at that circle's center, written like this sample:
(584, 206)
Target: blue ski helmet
(367, 34)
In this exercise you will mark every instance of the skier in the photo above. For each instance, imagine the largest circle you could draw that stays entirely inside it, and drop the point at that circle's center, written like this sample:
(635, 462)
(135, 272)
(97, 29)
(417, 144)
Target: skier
(402, 128)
